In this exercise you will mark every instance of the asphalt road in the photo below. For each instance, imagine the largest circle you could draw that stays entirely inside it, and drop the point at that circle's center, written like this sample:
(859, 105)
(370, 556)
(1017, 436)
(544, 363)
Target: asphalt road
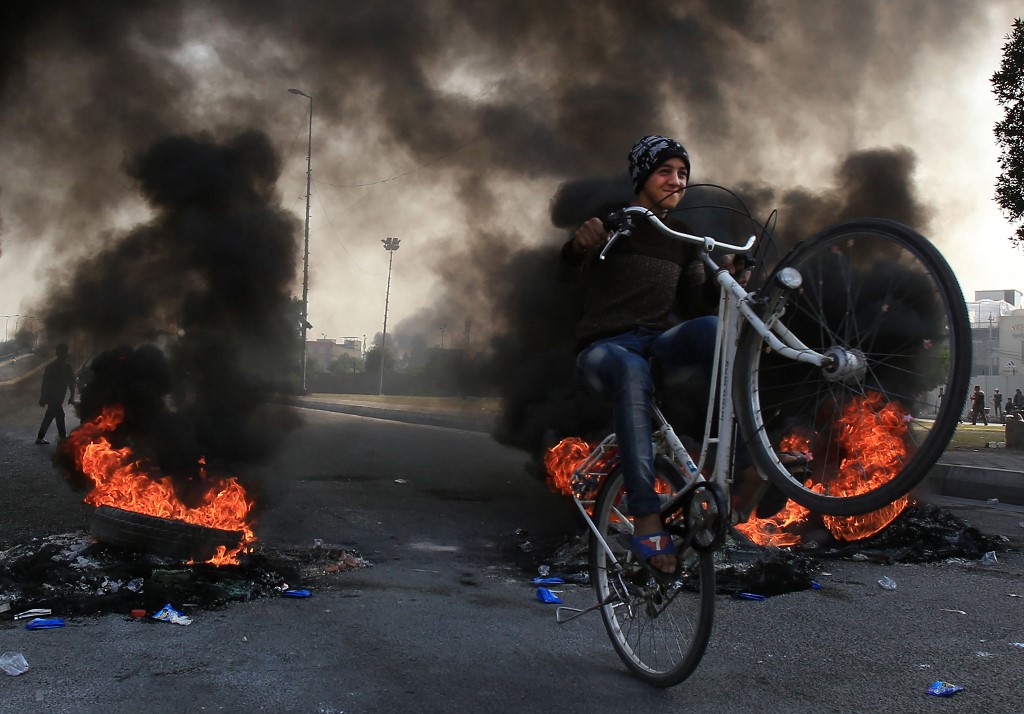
(447, 621)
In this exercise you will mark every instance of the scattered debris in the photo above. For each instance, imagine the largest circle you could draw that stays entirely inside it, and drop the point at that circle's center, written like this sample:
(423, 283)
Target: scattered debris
(75, 575)
(545, 595)
(887, 583)
(958, 612)
(923, 533)
(13, 663)
(168, 614)
(743, 567)
(41, 623)
(34, 612)
(943, 689)
(989, 558)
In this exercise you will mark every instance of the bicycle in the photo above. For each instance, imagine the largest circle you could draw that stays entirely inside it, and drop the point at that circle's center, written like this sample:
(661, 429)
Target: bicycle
(860, 323)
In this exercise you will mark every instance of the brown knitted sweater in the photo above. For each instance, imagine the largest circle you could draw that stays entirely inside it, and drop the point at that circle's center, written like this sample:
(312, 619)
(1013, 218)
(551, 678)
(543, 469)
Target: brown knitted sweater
(646, 280)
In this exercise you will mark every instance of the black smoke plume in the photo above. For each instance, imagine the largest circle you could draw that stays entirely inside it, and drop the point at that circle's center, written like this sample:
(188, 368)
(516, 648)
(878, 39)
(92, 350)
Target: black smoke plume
(192, 307)
(555, 91)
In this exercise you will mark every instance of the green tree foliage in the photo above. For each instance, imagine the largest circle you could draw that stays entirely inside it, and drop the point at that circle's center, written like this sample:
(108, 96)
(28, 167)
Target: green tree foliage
(346, 364)
(1008, 86)
(373, 359)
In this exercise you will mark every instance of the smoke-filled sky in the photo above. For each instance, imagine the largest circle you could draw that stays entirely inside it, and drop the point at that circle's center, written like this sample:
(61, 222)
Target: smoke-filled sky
(452, 125)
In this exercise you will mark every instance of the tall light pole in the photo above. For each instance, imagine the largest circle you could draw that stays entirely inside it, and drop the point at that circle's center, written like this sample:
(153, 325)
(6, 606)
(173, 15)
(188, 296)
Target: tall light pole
(305, 250)
(390, 245)
(442, 334)
(8, 317)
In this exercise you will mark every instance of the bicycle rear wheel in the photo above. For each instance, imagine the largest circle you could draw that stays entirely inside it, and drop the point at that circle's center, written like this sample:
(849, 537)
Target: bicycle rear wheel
(880, 293)
(659, 631)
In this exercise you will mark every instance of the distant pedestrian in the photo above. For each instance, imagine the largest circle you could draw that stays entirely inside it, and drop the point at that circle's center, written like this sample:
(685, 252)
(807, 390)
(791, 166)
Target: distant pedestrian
(997, 401)
(58, 380)
(1018, 399)
(978, 406)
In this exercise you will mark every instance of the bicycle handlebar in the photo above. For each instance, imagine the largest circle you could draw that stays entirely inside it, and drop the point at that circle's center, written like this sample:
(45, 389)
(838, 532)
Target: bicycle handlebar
(708, 242)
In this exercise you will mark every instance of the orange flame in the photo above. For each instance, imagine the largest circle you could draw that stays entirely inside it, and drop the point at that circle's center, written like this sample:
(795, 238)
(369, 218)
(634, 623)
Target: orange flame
(122, 481)
(562, 459)
(773, 530)
(872, 437)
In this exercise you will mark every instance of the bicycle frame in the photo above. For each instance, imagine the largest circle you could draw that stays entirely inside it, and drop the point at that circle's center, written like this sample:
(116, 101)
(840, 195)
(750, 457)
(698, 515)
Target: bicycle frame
(736, 305)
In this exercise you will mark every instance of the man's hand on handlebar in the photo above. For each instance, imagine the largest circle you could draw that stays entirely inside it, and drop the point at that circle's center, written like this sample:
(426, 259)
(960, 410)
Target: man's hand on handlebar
(592, 235)
(737, 267)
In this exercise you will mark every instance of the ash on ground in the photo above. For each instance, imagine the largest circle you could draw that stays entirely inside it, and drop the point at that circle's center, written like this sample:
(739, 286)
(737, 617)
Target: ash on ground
(73, 574)
(923, 533)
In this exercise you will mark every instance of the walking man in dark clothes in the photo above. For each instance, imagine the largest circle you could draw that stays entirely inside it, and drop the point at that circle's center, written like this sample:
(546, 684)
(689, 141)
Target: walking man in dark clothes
(58, 379)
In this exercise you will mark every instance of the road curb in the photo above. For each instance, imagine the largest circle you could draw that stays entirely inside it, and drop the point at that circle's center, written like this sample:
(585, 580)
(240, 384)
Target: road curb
(975, 483)
(442, 418)
(978, 483)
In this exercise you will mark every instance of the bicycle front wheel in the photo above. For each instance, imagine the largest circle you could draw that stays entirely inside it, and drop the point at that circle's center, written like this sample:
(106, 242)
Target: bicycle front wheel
(879, 296)
(660, 631)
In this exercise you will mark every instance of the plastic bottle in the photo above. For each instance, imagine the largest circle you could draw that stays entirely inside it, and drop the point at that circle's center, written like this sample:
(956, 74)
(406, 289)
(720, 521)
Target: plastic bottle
(13, 663)
(887, 583)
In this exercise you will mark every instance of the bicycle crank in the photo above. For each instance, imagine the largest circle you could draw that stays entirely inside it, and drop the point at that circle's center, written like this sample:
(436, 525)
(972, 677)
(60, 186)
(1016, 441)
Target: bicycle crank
(706, 517)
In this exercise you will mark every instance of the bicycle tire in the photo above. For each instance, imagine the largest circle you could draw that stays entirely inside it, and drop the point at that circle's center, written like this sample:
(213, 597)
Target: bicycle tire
(882, 290)
(659, 631)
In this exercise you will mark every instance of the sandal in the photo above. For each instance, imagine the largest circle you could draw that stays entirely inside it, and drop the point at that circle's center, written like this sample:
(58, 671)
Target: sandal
(646, 546)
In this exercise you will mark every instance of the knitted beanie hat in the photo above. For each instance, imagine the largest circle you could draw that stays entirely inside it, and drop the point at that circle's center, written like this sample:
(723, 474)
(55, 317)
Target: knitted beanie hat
(651, 152)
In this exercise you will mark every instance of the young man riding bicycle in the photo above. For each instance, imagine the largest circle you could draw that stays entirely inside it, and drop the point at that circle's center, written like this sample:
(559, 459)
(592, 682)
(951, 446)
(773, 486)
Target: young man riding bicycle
(634, 323)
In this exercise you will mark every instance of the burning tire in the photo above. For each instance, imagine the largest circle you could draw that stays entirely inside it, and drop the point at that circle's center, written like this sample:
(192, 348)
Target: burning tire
(159, 536)
(883, 302)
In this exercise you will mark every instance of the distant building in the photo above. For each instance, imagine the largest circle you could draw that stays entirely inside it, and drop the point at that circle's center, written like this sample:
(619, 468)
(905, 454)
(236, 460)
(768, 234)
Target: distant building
(997, 331)
(1011, 297)
(325, 351)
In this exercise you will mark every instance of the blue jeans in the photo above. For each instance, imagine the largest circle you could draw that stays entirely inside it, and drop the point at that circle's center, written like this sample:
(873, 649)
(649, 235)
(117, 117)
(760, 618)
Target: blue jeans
(619, 368)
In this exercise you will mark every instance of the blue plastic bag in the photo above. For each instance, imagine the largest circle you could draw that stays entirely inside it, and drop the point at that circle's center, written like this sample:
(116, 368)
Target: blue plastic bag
(545, 595)
(943, 689)
(40, 623)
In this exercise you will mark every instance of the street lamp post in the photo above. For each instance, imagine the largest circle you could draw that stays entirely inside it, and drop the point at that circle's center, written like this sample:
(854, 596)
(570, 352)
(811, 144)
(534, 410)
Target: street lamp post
(8, 322)
(17, 322)
(305, 250)
(390, 245)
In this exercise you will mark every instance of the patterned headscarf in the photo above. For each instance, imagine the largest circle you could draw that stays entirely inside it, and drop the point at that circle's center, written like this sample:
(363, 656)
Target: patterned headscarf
(651, 152)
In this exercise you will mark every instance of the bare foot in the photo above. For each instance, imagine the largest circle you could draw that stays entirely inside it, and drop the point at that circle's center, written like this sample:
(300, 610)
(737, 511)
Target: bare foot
(647, 525)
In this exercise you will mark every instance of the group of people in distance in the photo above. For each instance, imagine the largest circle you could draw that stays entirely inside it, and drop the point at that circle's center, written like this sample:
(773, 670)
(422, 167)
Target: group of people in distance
(1012, 408)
